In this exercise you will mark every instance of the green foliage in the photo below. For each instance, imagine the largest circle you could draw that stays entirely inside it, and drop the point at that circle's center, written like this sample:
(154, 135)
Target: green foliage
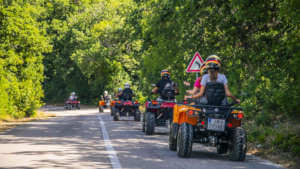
(89, 46)
(257, 41)
(22, 45)
(280, 138)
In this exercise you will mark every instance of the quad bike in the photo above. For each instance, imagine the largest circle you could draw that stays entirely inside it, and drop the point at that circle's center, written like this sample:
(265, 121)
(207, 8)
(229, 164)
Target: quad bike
(101, 106)
(212, 124)
(158, 113)
(72, 104)
(126, 108)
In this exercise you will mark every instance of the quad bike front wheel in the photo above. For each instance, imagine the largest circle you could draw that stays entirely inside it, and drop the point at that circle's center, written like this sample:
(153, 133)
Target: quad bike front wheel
(185, 140)
(116, 116)
(137, 116)
(69, 107)
(113, 111)
(173, 137)
(100, 109)
(149, 123)
(143, 124)
(238, 144)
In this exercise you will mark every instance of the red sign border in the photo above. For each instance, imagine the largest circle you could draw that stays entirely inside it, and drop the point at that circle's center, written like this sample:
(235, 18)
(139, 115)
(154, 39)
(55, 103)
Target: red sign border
(197, 54)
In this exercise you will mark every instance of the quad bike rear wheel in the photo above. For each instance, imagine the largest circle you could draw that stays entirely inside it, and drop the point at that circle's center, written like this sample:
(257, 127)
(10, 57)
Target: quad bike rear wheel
(238, 145)
(149, 123)
(173, 137)
(185, 140)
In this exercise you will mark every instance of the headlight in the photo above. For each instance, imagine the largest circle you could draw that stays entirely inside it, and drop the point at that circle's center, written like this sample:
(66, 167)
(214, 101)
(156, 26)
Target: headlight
(216, 110)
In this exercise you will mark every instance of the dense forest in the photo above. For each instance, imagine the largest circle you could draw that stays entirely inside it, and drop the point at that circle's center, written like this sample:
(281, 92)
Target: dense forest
(49, 48)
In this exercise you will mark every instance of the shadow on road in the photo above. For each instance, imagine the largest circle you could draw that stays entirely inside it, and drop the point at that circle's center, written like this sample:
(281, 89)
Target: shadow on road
(75, 141)
(61, 141)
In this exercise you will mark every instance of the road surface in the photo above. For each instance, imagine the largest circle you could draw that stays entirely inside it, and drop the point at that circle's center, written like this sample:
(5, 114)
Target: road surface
(87, 139)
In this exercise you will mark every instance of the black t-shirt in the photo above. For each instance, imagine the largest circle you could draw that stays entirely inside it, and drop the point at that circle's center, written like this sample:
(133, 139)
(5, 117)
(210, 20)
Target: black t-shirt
(127, 94)
(119, 96)
(166, 85)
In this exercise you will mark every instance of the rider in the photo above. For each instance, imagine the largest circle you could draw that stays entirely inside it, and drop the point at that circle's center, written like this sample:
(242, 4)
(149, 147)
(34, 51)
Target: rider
(127, 92)
(72, 96)
(213, 75)
(165, 84)
(105, 96)
(203, 70)
(197, 84)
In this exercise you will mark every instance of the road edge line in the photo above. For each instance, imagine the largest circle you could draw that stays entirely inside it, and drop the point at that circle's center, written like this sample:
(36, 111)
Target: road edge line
(109, 148)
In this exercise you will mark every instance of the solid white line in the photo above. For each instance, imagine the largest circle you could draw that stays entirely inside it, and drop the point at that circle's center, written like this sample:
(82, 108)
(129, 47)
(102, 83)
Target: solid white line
(109, 148)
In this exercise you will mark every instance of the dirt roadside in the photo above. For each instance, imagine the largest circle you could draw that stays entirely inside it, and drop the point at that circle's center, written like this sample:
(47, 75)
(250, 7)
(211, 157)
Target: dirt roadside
(11, 123)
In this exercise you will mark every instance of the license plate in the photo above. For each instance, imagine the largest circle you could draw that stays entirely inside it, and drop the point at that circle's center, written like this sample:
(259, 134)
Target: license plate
(216, 124)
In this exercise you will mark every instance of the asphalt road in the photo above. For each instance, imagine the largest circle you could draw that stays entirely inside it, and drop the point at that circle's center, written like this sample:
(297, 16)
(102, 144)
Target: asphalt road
(87, 139)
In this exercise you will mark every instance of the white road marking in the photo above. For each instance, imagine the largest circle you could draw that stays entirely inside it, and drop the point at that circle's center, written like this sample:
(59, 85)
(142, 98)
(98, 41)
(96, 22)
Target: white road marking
(109, 148)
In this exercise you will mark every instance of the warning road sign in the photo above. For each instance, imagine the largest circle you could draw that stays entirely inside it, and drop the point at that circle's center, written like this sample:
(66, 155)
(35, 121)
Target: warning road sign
(195, 63)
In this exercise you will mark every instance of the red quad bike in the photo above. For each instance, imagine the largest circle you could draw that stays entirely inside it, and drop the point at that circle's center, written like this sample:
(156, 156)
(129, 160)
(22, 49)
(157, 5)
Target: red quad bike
(72, 104)
(126, 108)
(157, 114)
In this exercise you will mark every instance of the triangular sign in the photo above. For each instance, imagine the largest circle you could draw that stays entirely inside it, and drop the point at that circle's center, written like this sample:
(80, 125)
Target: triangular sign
(195, 63)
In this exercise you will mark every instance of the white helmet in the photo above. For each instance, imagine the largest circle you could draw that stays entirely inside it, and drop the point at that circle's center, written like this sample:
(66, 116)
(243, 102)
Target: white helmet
(73, 93)
(105, 92)
(126, 85)
(120, 89)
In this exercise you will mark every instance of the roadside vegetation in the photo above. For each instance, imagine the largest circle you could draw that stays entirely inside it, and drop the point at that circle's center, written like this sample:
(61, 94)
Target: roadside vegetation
(49, 48)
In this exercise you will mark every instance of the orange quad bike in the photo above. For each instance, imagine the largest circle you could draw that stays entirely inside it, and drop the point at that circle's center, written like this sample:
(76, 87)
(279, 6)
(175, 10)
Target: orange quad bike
(214, 124)
(101, 106)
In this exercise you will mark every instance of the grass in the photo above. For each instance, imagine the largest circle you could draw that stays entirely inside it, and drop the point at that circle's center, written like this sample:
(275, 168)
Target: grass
(7, 122)
(279, 143)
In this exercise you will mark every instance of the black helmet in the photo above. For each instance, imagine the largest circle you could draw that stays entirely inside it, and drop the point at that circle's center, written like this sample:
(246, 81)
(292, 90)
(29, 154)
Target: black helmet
(212, 65)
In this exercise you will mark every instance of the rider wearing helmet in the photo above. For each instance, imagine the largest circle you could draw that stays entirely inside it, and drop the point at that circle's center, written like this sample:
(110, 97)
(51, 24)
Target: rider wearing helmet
(72, 96)
(105, 93)
(197, 84)
(127, 93)
(165, 85)
(213, 65)
(106, 97)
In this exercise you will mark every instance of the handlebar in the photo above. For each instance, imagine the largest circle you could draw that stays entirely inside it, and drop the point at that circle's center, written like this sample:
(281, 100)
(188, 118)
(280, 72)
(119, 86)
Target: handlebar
(211, 106)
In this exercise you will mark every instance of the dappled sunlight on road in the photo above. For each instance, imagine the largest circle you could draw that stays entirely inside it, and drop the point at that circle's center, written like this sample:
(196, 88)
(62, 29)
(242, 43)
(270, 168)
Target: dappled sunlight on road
(74, 139)
(55, 143)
